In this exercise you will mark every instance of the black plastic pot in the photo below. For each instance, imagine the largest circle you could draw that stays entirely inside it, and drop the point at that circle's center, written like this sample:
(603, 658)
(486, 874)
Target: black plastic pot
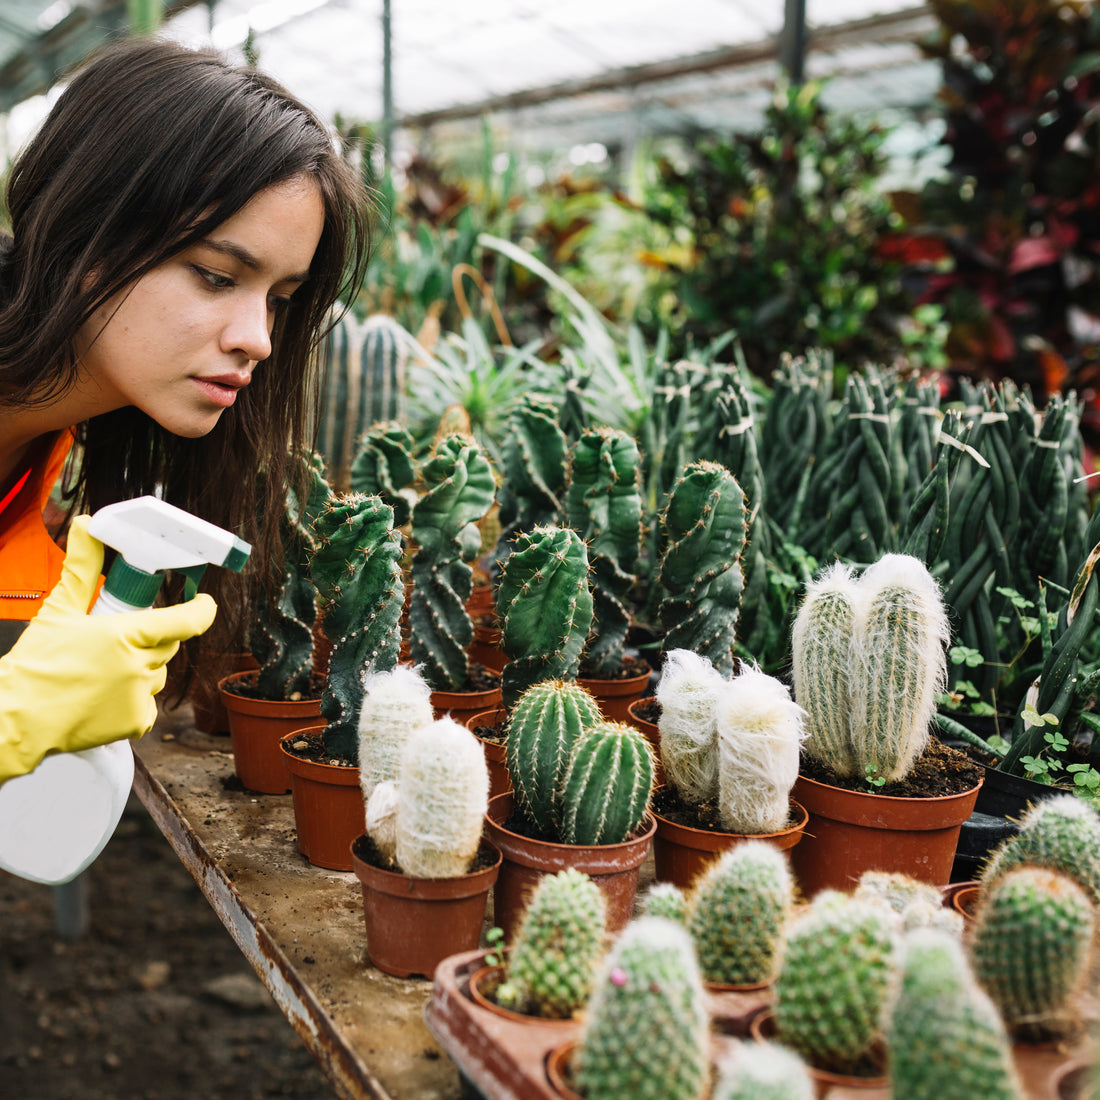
(1010, 795)
(979, 835)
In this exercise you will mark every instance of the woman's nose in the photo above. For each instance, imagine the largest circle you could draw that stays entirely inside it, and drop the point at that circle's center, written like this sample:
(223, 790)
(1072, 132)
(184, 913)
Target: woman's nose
(249, 329)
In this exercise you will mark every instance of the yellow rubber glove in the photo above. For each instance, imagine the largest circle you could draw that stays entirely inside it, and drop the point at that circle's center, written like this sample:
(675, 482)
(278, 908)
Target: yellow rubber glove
(74, 680)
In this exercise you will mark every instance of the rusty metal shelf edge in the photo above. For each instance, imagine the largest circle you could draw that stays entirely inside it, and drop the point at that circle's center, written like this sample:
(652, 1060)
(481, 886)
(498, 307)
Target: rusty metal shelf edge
(349, 1073)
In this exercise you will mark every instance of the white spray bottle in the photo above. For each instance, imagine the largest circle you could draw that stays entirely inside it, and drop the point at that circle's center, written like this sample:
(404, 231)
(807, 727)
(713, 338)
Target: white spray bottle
(55, 820)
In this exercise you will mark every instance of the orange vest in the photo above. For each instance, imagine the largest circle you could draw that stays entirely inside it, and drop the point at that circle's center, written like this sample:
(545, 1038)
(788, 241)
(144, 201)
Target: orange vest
(30, 561)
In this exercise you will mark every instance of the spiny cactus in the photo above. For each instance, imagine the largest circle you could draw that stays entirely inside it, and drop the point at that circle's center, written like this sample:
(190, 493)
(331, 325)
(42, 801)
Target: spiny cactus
(688, 692)
(645, 1033)
(838, 961)
(604, 506)
(381, 820)
(759, 736)
(543, 727)
(443, 793)
(700, 571)
(552, 961)
(396, 702)
(738, 911)
(664, 899)
(605, 791)
(545, 608)
(763, 1071)
(945, 1038)
(384, 466)
(356, 567)
(918, 904)
(458, 490)
(1032, 948)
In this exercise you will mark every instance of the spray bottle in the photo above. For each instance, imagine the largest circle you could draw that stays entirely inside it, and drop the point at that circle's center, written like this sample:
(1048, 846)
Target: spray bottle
(55, 820)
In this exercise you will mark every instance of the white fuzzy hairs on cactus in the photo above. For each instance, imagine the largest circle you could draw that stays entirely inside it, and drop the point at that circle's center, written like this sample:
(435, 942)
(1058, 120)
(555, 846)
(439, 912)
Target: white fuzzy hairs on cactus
(760, 732)
(396, 703)
(688, 691)
(443, 793)
(382, 820)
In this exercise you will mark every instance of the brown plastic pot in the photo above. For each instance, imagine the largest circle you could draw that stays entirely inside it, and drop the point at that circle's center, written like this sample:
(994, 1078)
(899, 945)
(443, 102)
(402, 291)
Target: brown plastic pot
(613, 867)
(651, 733)
(850, 832)
(463, 705)
(496, 760)
(681, 853)
(615, 696)
(256, 726)
(965, 900)
(479, 981)
(485, 648)
(558, 1062)
(207, 708)
(328, 806)
(413, 924)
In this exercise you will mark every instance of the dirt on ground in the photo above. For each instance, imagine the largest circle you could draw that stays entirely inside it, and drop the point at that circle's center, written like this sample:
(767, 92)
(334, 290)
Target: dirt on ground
(153, 1002)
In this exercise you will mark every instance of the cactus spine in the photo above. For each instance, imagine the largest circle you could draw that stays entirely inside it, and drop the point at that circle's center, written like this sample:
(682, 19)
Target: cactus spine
(645, 1031)
(738, 911)
(663, 899)
(606, 787)
(544, 725)
(443, 793)
(763, 1071)
(356, 567)
(384, 466)
(700, 571)
(396, 702)
(552, 962)
(459, 490)
(945, 1038)
(688, 692)
(545, 608)
(604, 506)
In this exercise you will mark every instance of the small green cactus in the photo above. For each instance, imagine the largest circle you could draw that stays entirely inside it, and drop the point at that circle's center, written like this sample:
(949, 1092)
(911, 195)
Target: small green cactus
(838, 963)
(688, 692)
(645, 1033)
(545, 608)
(664, 899)
(543, 727)
(552, 961)
(918, 904)
(384, 466)
(396, 702)
(945, 1038)
(1031, 948)
(738, 910)
(605, 792)
(762, 1071)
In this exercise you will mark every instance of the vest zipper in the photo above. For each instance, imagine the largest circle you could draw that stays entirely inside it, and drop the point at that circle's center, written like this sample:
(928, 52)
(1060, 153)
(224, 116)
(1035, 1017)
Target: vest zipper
(20, 595)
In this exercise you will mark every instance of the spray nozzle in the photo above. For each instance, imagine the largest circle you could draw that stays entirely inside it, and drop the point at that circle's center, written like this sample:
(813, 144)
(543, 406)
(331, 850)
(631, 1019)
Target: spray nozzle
(153, 538)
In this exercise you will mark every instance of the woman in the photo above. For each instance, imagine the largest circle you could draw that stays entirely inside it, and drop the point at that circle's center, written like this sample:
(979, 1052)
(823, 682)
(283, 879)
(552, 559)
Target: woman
(180, 232)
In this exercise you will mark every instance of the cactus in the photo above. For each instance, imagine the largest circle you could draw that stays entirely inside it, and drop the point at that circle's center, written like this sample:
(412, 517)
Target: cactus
(384, 466)
(1032, 948)
(443, 793)
(552, 961)
(700, 570)
(545, 608)
(356, 567)
(762, 1071)
(759, 735)
(1061, 833)
(396, 702)
(664, 899)
(604, 506)
(459, 490)
(688, 692)
(606, 788)
(945, 1038)
(738, 912)
(833, 983)
(645, 1032)
(918, 904)
(543, 727)
(381, 820)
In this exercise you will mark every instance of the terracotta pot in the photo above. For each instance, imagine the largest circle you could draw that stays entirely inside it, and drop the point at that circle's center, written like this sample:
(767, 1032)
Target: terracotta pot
(256, 727)
(481, 601)
(413, 924)
(615, 696)
(462, 705)
(652, 735)
(613, 867)
(681, 853)
(479, 980)
(207, 708)
(1073, 1081)
(965, 900)
(557, 1069)
(850, 832)
(485, 648)
(328, 806)
(500, 778)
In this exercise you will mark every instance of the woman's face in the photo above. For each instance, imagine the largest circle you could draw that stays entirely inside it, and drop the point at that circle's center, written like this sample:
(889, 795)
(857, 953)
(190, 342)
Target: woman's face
(184, 338)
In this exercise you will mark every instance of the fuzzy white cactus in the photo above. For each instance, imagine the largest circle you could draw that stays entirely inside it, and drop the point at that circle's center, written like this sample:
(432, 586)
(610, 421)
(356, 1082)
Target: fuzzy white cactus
(443, 793)
(688, 691)
(396, 703)
(382, 820)
(760, 731)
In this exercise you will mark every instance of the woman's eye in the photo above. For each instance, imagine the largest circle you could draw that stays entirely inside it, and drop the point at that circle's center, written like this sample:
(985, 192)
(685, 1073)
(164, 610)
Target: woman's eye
(212, 278)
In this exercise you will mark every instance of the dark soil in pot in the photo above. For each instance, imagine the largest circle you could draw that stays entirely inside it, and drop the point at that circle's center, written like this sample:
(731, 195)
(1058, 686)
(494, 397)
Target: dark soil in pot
(247, 688)
(648, 710)
(668, 804)
(631, 666)
(497, 735)
(478, 678)
(311, 746)
(368, 852)
(938, 771)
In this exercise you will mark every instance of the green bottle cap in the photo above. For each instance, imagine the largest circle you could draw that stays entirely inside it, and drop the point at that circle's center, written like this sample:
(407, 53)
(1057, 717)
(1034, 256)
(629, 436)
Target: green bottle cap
(132, 586)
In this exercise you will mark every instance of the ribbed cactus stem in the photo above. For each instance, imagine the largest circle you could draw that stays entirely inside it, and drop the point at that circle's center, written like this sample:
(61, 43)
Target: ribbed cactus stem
(606, 788)
(396, 703)
(820, 644)
(443, 793)
(645, 1034)
(281, 637)
(384, 466)
(544, 725)
(762, 1071)
(760, 732)
(688, 692)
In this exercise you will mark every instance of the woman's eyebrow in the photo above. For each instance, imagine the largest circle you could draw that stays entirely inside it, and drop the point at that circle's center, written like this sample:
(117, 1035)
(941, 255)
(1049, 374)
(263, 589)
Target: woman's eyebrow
(230, 248)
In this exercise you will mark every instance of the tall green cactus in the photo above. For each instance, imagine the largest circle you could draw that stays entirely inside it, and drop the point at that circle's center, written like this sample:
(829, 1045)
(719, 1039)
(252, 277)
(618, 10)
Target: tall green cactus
(458, 491)
(543, 726)
(545, 608)
(604, 506)
(763, 1071)
(356, 568)
(700, 571)
(384, 466)
(645, 1034)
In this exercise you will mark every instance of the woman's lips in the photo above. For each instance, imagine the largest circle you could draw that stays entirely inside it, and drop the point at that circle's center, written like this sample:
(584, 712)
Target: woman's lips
(222, 390)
